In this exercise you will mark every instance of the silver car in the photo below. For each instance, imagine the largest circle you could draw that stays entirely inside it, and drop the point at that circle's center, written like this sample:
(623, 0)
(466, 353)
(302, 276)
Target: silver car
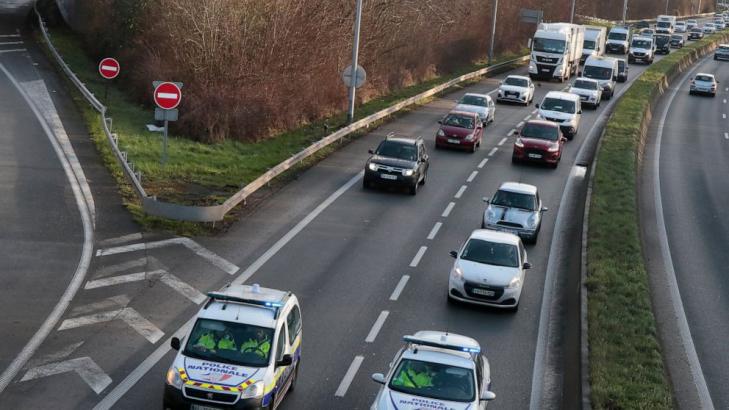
(704, 84)
(515, 208)
(480, 104)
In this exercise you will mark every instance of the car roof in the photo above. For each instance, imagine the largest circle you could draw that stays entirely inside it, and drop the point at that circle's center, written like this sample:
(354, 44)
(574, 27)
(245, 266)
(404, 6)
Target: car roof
(706, 74)
(495, 236)
(477, 95)
(590, 80)
(230, 311)
(466, 113)
(519, 77)
(562, 96)
(619, 29)
(542, 123)
(401, 139)
(600, 60)
(642, 38)
(434, 354)
(518, 187)
(724, 45)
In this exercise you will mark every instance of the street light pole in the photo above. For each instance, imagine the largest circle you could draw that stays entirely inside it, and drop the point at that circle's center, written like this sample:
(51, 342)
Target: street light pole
(572, 15)
(667, 6)
(355, 57)
(625, 10)
(494, 12)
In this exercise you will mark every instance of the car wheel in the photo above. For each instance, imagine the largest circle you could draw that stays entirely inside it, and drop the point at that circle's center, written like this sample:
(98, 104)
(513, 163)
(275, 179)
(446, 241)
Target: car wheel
(366, 184)
(425, 177)
(514, 160)
(413, 190)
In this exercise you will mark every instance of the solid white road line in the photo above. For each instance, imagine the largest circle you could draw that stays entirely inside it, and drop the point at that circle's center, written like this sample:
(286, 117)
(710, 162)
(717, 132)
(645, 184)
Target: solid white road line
(483, 163)
(448, 210)
(147, 364)
(121, 267)
(56, 356)
(121, 239)
(416, 259)
(349, 376)
(675, 295)
(372, 335)
(86, 368)
(400, 287)
(200, 251)
(472, 176)
(114, 302)
(86, 253)
(130, 316)
(460, 192)
(503, 140)
(435, 230)
(493, 151)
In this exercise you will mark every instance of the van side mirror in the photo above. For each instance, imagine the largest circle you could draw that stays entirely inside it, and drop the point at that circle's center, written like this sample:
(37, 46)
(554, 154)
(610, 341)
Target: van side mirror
(286, 360)
(175, 343)
(453, 254)
(379, 378)
(371, 151)
(579, 111)
(440, 122)
(527, 265)
(536, 105)
(488, 396)
(485, 200)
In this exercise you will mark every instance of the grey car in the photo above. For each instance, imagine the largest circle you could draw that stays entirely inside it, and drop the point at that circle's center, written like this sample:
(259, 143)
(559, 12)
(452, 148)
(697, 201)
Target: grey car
(515, 208)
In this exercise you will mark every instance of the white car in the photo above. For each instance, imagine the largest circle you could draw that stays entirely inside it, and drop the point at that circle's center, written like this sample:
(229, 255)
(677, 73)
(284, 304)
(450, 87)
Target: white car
(489, 270)
(242, 352)
(480, 104)
(681, 27)
(563, 108)
(516, 88)
(436, 370)
(709, 28)
(589, 91)
(691, 24)
(704, 84)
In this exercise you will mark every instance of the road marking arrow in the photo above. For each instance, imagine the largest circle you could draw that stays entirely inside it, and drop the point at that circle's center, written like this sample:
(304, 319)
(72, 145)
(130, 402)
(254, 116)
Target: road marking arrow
(55, 356)
(167, 278)
(130, 316)
(89, 371)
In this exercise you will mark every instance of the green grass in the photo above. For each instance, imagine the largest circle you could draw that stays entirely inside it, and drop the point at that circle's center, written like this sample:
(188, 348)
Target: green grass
(198, 173)
(626, 366)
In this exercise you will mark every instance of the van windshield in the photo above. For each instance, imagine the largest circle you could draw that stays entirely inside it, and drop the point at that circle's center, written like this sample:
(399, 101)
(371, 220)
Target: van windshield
(617, 36)
(228, 342)
(589, 45)
(548, 45)
(555, 104)
(663, 24)
(640, 43)
(597, 73)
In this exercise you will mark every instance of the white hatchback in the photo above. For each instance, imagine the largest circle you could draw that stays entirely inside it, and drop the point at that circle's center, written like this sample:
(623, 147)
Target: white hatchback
(489, 270)
(516, 88)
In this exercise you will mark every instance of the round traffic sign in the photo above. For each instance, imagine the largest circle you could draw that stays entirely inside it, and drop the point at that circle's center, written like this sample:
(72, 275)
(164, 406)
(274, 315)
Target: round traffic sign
(109, 68)
(360, 76)
(167, 95)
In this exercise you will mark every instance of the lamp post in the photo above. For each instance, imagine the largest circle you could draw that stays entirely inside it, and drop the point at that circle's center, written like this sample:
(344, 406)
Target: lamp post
(625, 10)
(494, 12)
(355, 57)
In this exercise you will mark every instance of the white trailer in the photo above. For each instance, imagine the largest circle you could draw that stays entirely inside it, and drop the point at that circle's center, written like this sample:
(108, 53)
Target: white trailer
(556, 51)
(594, 44)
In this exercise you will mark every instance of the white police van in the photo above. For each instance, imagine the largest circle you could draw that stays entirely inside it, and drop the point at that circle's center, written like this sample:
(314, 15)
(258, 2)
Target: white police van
(243, 352)
(436, 370)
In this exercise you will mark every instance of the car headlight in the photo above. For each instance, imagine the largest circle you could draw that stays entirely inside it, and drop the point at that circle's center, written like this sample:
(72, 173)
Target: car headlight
(173, 378)
(519, 143)
(408, 172)
(441, 133)
(457, 273)
(515, 283)
(500, 93)
(532, 221)
(469, 137)
(372, 166)
(253, 391)
(553, 148)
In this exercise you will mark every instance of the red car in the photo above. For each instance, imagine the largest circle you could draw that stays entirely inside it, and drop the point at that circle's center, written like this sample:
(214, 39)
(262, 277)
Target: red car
(539, 141)
(459, 129)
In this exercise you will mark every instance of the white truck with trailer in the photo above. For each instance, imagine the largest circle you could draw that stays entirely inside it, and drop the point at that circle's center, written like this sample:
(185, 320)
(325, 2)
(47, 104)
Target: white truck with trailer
(594, 44)
(556, 51)
(665, 24)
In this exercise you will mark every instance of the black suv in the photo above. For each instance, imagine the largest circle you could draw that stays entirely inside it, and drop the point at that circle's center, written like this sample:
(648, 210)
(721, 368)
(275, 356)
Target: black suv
(663, 43)
(399, 161)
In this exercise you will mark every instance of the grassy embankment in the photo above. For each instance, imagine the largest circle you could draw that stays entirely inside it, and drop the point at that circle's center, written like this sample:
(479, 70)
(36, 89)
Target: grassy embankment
(197, 173)
(626, 367)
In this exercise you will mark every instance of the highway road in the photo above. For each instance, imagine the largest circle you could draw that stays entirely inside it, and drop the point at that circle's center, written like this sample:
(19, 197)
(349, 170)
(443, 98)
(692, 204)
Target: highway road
(343, 251)
(694, 191)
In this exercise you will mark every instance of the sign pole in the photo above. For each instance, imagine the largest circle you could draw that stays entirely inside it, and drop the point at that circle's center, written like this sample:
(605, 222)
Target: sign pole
(164, 144)
(494, 11)
(355, 56)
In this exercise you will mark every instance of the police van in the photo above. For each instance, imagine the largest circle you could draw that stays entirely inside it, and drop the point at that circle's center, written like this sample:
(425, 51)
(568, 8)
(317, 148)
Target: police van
(436, 370)
(243, 352)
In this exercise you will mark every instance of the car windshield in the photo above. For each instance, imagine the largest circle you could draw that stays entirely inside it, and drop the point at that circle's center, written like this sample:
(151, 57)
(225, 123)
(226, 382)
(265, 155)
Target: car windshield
(621, 65)
(617, 36)
(598, 73)
(514, 200)
(662, 39)
(228, 342)
(473, 100)
(540, 131)
(696, 30)
(663, 24)
(516, 82)
(434, 380)
(677, 37)
(556, 104)
(704, 78)
(724, 48)
(641, 43)
(460, 121)
(586, 85)
(589, 45)
(548, 45)
(399, 150)
(491, 253)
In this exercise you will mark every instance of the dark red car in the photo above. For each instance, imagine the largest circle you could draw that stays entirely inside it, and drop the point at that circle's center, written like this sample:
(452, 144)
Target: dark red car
(462, 130)
(539, 141)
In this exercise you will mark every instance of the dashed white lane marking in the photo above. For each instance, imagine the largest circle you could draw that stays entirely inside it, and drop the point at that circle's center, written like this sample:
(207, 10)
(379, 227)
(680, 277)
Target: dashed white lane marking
(372, 335)
(121, 239)
(460, 192)
(726, 89)
(520, 124)
(435, 230)
(448, 210)
(724, 101)
(121, 267)
(723, 116)
(726, 135)
(349, 376)
(535, 111)
(418, 256)
(528, 117)
(186, 242)
(483, 163)
(114, 302)
(503, 140)
(86, 368)
(493, 151)
(472, 176)
(130, 316)
(10, 43)
(399, 288)
(9, 35)
(16, 50)
(511, 132)
(167, 278)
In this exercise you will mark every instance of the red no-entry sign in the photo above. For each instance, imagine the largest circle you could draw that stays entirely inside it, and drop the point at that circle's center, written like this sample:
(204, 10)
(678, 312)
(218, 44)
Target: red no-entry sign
(167, 95)
(109, 68)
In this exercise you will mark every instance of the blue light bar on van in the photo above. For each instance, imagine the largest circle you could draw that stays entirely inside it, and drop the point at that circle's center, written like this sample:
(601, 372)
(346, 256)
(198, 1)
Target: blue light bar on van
(248, 301)
(425, 342)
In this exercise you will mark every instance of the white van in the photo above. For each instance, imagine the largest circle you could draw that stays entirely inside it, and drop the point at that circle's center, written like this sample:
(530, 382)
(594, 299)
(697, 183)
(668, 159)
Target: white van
(563, 108)
(605, 71)
(617, 40)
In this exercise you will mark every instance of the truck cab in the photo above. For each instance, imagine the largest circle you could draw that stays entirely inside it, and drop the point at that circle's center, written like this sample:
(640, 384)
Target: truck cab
(556, 51)
(594, 44)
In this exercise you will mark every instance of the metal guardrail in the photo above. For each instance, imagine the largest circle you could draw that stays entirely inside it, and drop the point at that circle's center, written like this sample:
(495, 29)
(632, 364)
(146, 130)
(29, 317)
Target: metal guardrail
(152, 206)
(632, 22)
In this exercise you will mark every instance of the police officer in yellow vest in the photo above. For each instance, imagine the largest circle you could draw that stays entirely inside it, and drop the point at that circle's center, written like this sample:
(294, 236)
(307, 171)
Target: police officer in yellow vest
(206, 340)
(226, 342)
(259, 344)
(414, 376)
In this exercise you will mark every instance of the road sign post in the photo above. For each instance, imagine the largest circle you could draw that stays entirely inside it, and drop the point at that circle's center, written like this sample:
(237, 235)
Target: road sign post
(355, 57)
(109, 68)
(167, 96)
